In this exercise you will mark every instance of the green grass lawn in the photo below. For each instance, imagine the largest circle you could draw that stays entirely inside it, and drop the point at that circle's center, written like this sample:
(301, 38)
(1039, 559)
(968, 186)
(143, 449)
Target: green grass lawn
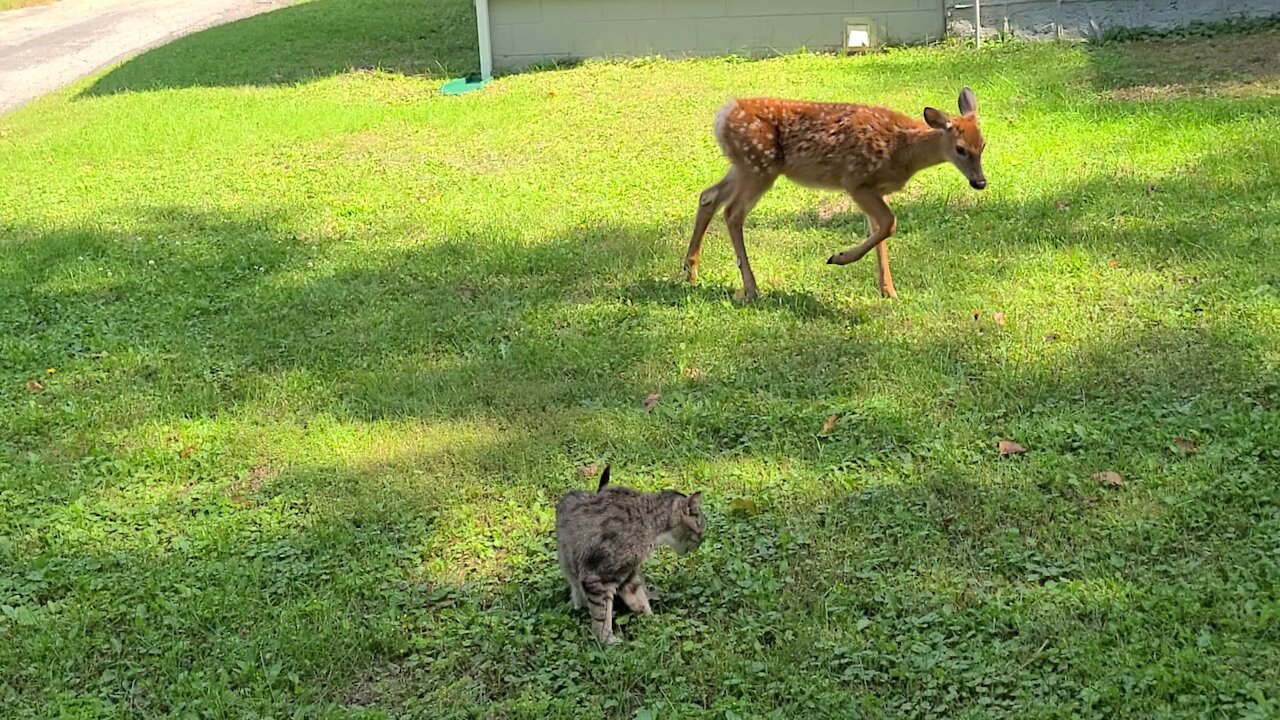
(296, 356)
(15, 4)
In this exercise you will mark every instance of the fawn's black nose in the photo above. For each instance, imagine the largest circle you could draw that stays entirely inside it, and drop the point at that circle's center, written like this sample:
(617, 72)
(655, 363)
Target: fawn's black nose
(978, 184)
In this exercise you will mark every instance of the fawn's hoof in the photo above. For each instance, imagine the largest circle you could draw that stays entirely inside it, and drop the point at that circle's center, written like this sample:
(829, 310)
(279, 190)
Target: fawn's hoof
(844, 258)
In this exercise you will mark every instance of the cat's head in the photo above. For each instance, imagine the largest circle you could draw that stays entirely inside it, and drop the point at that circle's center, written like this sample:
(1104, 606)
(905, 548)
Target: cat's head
(687, 523)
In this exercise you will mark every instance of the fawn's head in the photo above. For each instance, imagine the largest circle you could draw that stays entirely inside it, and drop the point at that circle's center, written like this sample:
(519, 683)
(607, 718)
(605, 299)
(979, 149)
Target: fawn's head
(964, 140)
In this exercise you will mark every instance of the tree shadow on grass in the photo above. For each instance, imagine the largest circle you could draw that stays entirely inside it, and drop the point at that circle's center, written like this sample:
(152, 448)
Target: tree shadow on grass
(431, 330)
(913, 547)
(677, 292)
(488, 319)
(898, 543)
(310, 40)
(1210, 214)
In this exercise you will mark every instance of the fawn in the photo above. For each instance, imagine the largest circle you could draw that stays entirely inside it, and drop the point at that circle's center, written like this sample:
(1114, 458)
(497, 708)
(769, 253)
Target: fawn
(864, 150)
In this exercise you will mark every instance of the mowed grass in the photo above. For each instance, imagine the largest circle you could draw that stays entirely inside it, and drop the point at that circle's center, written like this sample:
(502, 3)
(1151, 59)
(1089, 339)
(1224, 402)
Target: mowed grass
(15, 4)
(297, 355)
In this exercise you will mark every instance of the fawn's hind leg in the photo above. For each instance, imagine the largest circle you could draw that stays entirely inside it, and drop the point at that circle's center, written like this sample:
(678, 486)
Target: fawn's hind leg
(748, 192)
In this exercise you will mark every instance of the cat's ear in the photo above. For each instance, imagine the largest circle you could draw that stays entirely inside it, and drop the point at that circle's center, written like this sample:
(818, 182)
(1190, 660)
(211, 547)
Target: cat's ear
(694, 503)
(604, 478)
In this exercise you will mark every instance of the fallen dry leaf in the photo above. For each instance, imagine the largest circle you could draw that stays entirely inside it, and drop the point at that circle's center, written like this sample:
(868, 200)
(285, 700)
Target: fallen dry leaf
(650, 400)
(1062, 205)
(588, 470)
(998, 318)
(35, 386)
(1108, 478)
(829, 425)
(694, 373)
(1115, 263)
(187, 451)
(1186, 445)
(1009, 447)
(744, 505)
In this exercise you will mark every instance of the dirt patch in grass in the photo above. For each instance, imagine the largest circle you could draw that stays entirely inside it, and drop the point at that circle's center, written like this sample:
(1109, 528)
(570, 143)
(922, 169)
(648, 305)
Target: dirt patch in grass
(1228, 66)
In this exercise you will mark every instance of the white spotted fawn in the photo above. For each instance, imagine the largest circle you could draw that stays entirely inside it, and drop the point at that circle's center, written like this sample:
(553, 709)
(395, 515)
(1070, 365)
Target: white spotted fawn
(864, 150)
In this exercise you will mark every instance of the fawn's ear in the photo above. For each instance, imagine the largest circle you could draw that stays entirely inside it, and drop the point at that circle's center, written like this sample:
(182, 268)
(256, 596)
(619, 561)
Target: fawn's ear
(936, 119)
(968, 102)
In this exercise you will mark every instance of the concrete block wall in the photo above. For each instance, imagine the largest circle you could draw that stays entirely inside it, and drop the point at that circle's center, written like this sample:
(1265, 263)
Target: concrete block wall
(1088, 19)
(525, 32)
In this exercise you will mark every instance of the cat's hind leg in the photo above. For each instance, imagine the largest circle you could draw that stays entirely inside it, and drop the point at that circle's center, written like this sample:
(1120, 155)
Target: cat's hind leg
(576, 596)
(600, 603)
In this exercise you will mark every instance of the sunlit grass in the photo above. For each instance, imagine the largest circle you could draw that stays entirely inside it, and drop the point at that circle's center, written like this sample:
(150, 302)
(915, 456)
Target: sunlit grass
(15, 4)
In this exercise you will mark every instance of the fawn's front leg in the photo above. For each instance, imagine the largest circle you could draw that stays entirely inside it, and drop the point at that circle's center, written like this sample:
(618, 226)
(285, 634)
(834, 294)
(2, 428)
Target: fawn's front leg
(883, 224)
(882, 268)
(709, 203)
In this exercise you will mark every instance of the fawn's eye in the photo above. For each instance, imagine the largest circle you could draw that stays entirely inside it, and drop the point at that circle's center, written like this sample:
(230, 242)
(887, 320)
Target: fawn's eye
(961, 151)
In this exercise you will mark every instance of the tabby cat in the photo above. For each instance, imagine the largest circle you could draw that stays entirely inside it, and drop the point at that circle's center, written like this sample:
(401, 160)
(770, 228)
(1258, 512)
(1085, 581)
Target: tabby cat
(603, 537)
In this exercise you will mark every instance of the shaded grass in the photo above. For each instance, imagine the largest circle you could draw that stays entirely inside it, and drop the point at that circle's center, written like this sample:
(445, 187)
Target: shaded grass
(1180, 68)
(292, 373)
